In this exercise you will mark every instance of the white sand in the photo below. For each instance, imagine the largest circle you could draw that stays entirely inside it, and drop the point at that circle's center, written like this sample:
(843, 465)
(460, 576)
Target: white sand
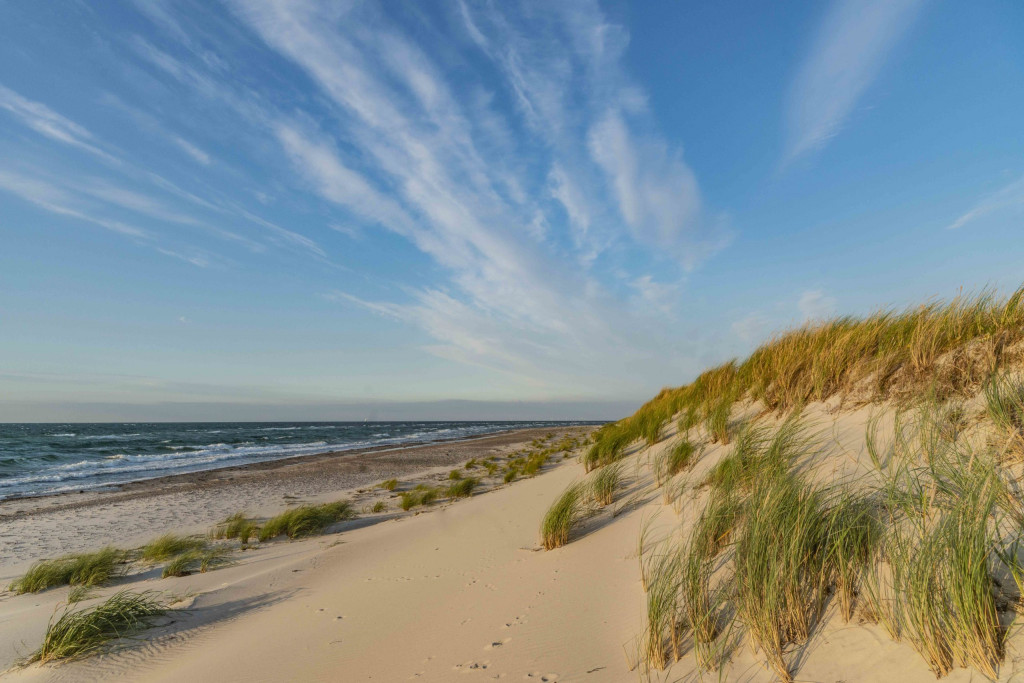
(461, 592)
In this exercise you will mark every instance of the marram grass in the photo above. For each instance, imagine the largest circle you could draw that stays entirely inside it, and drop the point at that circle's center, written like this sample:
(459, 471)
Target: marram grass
(83, 632)
(191, 561)
(306, 520)
(605, 483)
(237, 526)
(83, 569)
(167, 546)
(562, 516)
(462, 488)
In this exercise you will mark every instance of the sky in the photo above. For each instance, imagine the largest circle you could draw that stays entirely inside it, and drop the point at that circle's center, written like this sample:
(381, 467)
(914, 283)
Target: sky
(259, 209)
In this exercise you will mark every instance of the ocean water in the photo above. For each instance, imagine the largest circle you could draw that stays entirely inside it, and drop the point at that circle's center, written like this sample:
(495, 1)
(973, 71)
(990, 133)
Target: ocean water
(49, 458)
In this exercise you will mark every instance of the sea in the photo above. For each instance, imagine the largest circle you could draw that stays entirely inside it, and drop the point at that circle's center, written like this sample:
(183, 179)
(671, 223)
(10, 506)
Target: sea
(37, 459)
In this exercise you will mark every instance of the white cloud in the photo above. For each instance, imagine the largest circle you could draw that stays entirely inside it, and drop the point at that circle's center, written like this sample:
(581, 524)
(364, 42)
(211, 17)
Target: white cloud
(193, 151)
(1010, 197)
(848, 51)
(814, 304)
(751, 328)
(49, 123)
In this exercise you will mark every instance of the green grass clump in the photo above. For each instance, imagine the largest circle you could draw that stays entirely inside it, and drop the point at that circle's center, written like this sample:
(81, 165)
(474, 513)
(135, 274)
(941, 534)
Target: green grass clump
(83, 632)
(471, 463)
(192, 561)
(1004, 398)
(672, 461)
(388, 485)
(605, 483)
(421, 495)
(462, 488)
(562, 516)
(306, 520)
(780, 566)
(237, 526)
(379, 506)
(167, 546)
(455, 475)
(85, 569)
(510, 475)
(80, 593)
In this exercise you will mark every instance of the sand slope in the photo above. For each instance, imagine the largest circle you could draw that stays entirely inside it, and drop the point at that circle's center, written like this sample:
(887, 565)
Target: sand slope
(462, 592)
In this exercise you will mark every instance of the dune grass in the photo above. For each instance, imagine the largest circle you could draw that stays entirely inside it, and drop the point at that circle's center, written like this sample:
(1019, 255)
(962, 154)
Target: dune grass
(306, 520)
(924, 544)
(564, 514)
(455, 474)
(421, 495)
(379, 506)
(672, 461)
(388, 485)
(83, 569)
(463, 488)
(605, 483)
(167, 546)
(1004, 399)
(191, 561)
(237, 526)
(83, 632)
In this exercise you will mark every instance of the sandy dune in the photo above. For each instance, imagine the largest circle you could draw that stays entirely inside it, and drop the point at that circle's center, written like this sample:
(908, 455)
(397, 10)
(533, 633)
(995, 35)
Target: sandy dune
(462, 592)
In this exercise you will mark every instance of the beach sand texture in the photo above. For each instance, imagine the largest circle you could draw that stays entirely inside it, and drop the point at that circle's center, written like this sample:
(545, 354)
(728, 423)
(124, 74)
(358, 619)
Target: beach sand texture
(464, 592)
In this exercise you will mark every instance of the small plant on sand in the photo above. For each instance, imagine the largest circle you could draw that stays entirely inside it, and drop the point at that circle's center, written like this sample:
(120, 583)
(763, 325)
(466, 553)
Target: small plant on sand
(455, 475)
(306, 520)
(83, 632)
(237, 526)
(192, 561)
(672, 461)
(379, 506)
(510, 475)
(470, 464)
(421, 495)
(562, 516)
(462, 488)
(167, 546)
(85, 569)
(80, 593)
(389, 485)
(605, 482)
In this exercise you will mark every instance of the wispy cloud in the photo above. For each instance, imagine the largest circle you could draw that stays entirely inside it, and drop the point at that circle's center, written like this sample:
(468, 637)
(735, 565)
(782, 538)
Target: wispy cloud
(814, 304)
(1009, 197)
(498, 202)
(49, 123)
(846, 55)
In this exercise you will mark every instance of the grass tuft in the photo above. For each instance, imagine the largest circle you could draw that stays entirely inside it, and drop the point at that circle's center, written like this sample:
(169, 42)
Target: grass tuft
(237, 526)
(306, 520)
(562, 516)
(85, 569)
(167, 546)
(192, 561)
(388, 485)
(79, 633)
(605, 483)
(463, 488)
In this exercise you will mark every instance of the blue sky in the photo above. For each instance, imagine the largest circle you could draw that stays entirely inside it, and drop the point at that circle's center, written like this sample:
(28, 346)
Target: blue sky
(268, 208)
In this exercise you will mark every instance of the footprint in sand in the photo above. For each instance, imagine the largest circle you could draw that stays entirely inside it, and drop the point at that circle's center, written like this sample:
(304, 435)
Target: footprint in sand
(544, 678)
(471, 666)
(496, 644)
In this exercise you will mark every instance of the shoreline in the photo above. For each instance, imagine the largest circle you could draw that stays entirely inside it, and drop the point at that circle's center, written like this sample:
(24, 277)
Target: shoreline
(196, 475)
(270, 463)
(36, 527)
